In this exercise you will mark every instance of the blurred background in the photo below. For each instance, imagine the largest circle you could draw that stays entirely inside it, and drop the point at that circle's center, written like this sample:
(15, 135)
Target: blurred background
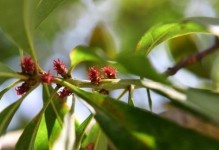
(113, 26)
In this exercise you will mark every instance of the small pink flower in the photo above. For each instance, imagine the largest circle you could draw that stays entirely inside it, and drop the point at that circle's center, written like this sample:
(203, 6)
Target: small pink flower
(64, 93)
(109, 72)
(23, 88)
(47, 78)
(60, 67)
(94, 75)
(27, 65)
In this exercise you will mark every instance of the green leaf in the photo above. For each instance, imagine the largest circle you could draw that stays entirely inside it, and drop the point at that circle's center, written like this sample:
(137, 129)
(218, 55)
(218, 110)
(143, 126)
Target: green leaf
(6, 73)
(117, 118)
(54, 114)
(82, 54)
(102, 38)
(80, 131)
(41, 141)
(91, 136)
(139, 65)
(27, 139)
(8, 88)
(163, 32)
(204, 102)
(15, 20)
(44, 8)
(101, 141)
(95, 139)
(7, 114)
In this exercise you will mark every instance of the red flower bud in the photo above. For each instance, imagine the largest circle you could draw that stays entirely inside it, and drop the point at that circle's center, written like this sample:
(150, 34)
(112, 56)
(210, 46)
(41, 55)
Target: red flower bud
(109, 72)
(47, 78)
(64, 93)
(94, 75)
(27, 65)
(60, 67)
(23, 88)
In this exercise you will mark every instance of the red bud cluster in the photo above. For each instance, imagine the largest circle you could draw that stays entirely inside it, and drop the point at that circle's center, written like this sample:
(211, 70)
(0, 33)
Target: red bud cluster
(94, 74)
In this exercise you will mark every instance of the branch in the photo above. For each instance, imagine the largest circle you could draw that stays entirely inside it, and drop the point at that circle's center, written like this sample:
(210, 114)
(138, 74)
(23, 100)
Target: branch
(113, 84)
(192, 59)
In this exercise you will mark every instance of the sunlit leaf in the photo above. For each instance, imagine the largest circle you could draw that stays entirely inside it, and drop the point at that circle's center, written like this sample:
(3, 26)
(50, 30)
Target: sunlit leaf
(54, 114)
(91, 136)
(80, 131)
(163, 32)
(41, 140)
(95, 139)
(44, 8)
(15, 20)
(67, 137)
(7, 114)
(117, 118)
(30, 131)
(82, 54)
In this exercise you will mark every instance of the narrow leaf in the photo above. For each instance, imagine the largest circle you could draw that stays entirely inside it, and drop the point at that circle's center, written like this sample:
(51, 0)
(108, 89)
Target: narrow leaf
(54, 114)
(127, 121)
(163, 32)
(7, 114)
(41, 141)
(80, 131)
(30, 131)
(67, 136)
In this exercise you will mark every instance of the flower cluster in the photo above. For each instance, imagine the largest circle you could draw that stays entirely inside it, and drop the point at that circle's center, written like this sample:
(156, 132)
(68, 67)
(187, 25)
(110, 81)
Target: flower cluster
(27, 65)
(94, 74)
(47, 78)
(64, 93)
(27, 68)
(60, 68)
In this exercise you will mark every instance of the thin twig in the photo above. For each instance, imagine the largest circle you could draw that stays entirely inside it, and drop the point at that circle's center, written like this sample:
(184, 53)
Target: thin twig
(192, 59)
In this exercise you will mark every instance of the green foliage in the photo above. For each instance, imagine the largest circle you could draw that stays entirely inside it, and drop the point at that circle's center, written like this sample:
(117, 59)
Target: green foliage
(118, 125)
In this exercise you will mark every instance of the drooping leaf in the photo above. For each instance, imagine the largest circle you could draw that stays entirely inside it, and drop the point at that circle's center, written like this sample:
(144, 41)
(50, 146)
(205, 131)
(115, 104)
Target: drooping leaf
(67, 136)
(7, 114)
(164, 32)
(54, 114)
(15, 20)
(30, 131)
(82, 54)
(41, 140)
(95, 139)
(44, 8)
(101, 141)
(117, 118)
(80, 131)
(6, 73)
